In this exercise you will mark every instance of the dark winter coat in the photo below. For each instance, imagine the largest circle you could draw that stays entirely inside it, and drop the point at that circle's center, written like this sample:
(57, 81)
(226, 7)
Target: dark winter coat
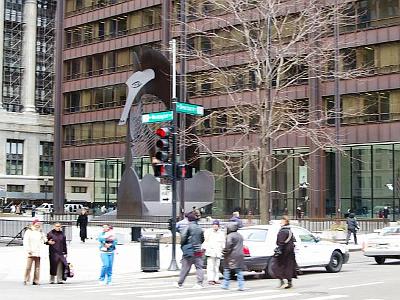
(352, 224)
(193, 235)
(57, 251)
(284, 266)
(82, 222)
(233, 251)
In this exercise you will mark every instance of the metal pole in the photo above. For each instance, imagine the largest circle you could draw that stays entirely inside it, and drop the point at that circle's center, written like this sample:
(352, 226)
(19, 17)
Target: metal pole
(337, 116)
(182, 96)
(173, 265)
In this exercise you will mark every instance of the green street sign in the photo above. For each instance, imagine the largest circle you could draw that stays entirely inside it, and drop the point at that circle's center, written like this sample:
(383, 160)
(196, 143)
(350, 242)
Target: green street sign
(157, 117)
(190, 109)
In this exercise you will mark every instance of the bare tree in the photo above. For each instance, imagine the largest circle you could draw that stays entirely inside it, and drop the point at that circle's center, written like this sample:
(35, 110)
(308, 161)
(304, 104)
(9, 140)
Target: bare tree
(254, 53)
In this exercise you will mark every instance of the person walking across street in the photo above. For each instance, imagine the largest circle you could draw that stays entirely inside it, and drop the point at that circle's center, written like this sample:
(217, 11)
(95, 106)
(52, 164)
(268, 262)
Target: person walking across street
(192, 254)
(214, 242)
(82, 222)
(283, 265)
(352, 227)
(107, 247)
(233, 256)
(236, 218)
(57, 253)
(33, 241)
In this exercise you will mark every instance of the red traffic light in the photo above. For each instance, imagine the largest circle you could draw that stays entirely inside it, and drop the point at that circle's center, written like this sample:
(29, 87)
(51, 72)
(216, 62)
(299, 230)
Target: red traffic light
(163, 170)
(163, 132)
(184, 171)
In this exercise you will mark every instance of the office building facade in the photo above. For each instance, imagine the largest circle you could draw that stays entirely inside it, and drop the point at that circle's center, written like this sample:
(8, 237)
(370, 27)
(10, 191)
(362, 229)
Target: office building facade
(99, 40)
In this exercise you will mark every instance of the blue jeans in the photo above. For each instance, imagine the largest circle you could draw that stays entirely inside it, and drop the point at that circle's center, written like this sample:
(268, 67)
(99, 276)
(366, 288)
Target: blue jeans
(227, 277)
(106, 270)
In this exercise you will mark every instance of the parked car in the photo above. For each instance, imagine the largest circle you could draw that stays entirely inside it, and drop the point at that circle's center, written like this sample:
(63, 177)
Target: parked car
(385, 245)
(44, 208)
(68, 208)
(260, 242)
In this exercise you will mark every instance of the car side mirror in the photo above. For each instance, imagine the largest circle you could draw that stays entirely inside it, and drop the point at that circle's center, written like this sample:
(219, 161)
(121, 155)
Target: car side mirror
(317, 239)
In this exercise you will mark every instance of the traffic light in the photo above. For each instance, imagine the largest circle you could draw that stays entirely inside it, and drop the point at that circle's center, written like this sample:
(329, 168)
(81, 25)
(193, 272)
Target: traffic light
(163, 170)
(163, 144)
(170, 224)
(184, 171)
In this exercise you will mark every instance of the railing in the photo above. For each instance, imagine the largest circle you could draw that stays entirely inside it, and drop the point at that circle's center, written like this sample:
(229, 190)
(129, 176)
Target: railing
(12, 228)
(317, 225)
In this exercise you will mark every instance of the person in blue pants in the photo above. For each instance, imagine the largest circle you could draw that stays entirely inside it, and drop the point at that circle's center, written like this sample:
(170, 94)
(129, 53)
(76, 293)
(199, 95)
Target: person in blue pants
(107, 247)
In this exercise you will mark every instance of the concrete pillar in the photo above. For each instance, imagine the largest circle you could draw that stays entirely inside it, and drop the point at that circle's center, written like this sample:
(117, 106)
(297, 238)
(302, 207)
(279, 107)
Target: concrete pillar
(2, 3)
(29, 55)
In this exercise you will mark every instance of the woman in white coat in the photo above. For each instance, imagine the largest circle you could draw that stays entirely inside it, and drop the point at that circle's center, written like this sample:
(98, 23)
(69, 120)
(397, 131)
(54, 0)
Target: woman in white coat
(34, 239)
(214, 243)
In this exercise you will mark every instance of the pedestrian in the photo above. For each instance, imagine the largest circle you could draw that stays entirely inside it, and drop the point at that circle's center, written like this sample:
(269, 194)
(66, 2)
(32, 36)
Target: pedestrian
(192, 254)
(107, 247)
(182, 224)
(57, 253)
(298, 212)
(13, 209)
(352, 227)
(214, 242)
(385, 215)
(283, 264)
(18, 209)
(236, 218)
(233, 256)
(33, 210)
(82, 223)
(33, 241)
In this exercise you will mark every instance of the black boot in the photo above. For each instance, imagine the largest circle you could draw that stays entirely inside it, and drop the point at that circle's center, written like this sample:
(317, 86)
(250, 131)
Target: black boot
(281, 283)
(289, 285)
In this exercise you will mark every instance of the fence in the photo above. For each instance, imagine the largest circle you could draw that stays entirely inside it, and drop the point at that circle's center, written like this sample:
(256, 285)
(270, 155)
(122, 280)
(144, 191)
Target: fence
(317, 225)
(12, 228)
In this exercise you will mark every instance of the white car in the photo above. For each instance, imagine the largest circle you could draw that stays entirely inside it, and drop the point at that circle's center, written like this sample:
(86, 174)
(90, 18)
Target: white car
(385, 245)
(44, 208)
(260, 242)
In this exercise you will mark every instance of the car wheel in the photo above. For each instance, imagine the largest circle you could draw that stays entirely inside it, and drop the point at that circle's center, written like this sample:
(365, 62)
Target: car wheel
(267, 273)
(380, 260)
(336, 262)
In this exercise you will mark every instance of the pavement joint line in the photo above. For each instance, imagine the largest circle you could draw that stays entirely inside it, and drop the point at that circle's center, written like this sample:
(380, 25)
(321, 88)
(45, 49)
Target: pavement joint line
(327, 297)
(244, 294)
(218, 291)
(356, 285)
(132, 288)
(119, 284)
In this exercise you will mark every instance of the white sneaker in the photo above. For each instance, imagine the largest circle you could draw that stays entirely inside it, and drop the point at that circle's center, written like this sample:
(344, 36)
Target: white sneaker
(197, 286)
(177, 285)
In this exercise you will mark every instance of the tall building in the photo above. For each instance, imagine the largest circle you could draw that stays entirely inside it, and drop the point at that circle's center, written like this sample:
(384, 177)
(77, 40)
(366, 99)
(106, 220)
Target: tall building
(26, 99)
(100, 38)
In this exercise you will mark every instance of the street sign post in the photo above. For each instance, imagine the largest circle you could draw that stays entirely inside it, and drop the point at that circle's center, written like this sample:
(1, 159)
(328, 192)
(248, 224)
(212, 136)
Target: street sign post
(157, 117)
(190, 109)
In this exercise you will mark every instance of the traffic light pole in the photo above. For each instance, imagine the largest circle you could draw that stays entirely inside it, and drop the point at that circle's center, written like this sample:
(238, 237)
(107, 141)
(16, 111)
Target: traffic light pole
(173, 265)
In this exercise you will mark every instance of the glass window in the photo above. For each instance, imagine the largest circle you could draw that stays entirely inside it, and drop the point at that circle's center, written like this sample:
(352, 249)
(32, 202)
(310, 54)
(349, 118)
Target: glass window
(46, 159)
(304, 235)
(78, 169)
(254, 235)
(14, 157)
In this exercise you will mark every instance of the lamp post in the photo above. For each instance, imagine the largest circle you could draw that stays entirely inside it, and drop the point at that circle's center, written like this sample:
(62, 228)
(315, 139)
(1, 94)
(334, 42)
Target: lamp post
(46, 181)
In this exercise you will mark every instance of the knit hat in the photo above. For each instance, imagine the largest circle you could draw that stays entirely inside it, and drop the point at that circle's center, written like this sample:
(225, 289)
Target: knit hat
(35, 221)
(215, 222)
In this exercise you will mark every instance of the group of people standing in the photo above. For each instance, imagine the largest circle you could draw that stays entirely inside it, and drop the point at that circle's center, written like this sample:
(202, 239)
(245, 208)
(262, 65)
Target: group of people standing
(216, 243)
(35, 238)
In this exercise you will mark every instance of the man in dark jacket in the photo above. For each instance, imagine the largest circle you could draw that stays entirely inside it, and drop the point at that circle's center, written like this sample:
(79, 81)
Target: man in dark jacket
(82, 222)
(233, 256)
(352, 227)
(191, 240)
(57, 253)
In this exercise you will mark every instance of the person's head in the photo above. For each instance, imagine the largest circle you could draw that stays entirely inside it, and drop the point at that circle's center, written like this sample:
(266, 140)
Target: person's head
(36, 224)
(285, 221)
(191, 217)
(215, 225)
(235, 214)
(351, 215)
(83, 211)
(106, 228)
(57, 226)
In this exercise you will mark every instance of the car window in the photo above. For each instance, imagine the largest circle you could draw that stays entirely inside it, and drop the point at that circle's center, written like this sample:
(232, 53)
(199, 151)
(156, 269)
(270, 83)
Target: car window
(304, 235)
(254, 235)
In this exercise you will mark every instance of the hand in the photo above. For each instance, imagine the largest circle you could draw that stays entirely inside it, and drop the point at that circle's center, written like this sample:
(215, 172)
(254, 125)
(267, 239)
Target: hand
(51, 242)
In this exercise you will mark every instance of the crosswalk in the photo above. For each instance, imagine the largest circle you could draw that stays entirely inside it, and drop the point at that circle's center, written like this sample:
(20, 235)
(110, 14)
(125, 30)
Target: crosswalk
(126, 287)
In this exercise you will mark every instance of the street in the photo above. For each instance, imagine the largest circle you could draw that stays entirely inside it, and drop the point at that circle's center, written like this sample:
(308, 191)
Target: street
(361, 279)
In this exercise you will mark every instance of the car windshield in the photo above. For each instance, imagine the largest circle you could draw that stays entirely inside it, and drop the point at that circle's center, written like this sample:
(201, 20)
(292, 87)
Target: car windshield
(254, 235)
(391, 231)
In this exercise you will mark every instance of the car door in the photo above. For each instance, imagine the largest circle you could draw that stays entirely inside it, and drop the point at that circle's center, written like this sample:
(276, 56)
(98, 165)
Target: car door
(307, 248)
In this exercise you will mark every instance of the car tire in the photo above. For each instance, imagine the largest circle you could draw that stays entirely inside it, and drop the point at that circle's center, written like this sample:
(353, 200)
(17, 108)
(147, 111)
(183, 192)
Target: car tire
(267, 274)
(336, 262)
(380, 260)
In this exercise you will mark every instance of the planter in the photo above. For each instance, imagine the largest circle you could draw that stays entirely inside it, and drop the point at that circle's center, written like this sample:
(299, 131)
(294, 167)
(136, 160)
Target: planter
(333, 235)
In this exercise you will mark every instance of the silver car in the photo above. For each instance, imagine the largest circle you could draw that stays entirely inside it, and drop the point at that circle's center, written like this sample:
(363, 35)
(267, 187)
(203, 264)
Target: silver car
(385, 245)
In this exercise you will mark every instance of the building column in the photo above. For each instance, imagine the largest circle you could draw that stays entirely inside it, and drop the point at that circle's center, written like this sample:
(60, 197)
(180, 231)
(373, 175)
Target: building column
(2, 4)
(29, 55)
